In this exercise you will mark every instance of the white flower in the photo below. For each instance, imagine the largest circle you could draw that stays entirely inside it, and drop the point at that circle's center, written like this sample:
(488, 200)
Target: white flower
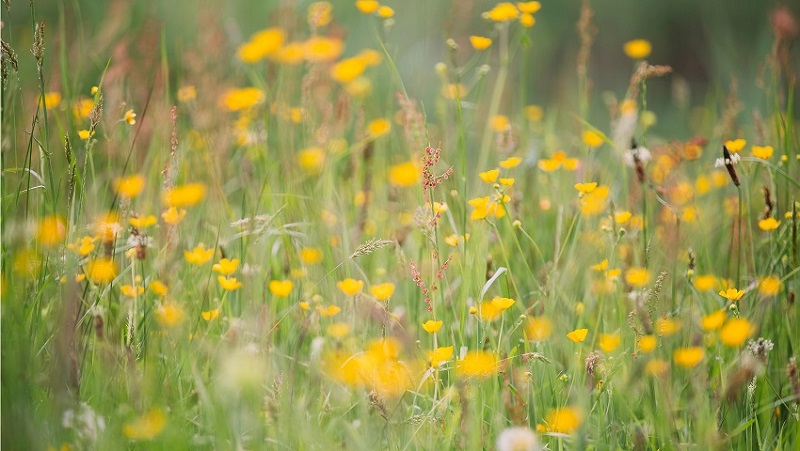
(641, 152)
(518, 439)
(724, 161)
(85, 422)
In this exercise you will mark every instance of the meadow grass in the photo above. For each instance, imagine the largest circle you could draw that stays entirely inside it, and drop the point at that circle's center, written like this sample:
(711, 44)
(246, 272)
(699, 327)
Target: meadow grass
(265, 240)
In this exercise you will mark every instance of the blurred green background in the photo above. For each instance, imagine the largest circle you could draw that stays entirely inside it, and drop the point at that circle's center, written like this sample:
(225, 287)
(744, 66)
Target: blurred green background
(707, 43)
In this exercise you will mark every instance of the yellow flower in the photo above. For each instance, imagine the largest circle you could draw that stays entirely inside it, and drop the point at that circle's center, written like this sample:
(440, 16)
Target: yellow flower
(84, 247)
(538, 328)
(130, 187)
(131, 291)
(440, 355)
(310, 255)
(656, 367)
(622, 217)
(290, 54)
(609, 342)
(169, 314)
(173, 216)
(130, 117)
(592, 139)
(500, 123)
(585, 188)
(383, 291)
(331, 310)
(348, 69)
(186, 93)
(210, 315)
(502, 303)
(51, 230)
(338, 330)
(158, 287)
(735, 332)
(146, 427)
(242, 99)
(529, 7)
(52, 100)
(480, 42)
(226, 266)
(229, 284)
(732, 294)
(199, 255)
(488, 311)
(510, 162)
(85, 134)
(637, 277)
(735, 145)
(667, 326)
(184, 195)
(101, 270)
(763, 152)
(527, 20)
(714, 320)
(506, 181)
(578, 335)
(432, 326)
(705, 282)
(385, 12)
(480, 364)
(311, 160)
(647, 343)
(141, 222)
(281, 288)
(404, 174)
(264, 43)
(534, 113)
(490, 176)
(83, 108)
(769, 286)
(638, 49)
(367, 6)
(378, 127)
(769, 224)
(322, 49)
(503, 12)
(454, 91)
(565, 420)
(350, 287)
(688, 357)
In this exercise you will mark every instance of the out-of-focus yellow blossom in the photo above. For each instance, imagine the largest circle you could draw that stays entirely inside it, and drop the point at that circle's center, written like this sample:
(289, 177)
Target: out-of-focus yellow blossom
(350, 286)
(478, 364)
(199, 255)
(130, 186)
(281, 288)
(186, 195)
(226, 266)
(229, 283)
(173, 216)
(538, 328)
(638, 49)
(383, 291)
(592, 139)
(480, 42)
(688, 357)
(147, 427)
(735, 145)
(242, 99)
